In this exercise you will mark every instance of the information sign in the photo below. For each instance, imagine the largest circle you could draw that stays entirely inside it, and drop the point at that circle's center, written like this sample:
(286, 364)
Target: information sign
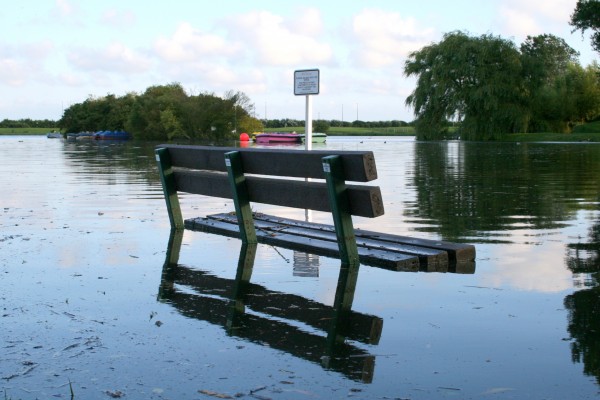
(306, 82)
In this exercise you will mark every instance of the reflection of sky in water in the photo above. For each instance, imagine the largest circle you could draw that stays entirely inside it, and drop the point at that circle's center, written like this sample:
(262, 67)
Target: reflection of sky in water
(98, 215)
(77, 190)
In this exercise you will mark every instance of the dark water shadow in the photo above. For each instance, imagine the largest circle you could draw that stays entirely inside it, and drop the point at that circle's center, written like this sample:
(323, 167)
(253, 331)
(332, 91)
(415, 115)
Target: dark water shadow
(326, 335)
(335, 337)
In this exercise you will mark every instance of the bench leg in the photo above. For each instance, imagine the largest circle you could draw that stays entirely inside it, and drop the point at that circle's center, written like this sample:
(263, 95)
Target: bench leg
(167, 179)
(167, 280)
(340, 207)
(342, 305)
(240, 286)
(241, 198)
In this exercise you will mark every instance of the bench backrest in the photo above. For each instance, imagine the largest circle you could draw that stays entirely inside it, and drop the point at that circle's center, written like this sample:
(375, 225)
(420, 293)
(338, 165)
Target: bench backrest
(202, 170)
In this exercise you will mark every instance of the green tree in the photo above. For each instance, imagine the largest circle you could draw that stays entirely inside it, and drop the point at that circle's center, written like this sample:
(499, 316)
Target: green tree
(583, 90)
(587, 16)
(321, 125)
(476, 80)
(171, 125)
(546, 60)
(545, 57)
(250, 124)
(145, 120)
(164, 112)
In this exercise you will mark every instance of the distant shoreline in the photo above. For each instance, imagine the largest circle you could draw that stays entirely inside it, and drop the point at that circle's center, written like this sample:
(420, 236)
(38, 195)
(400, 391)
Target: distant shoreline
(576, 137)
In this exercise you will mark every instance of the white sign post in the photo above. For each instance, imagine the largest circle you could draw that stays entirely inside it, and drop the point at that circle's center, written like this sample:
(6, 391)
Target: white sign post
(306, 83)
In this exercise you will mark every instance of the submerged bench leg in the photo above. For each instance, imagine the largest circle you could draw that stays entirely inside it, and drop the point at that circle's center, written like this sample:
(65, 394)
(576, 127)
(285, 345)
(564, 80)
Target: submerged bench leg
(241, 199)
(167, 179)
(240, 286)
(340, 206)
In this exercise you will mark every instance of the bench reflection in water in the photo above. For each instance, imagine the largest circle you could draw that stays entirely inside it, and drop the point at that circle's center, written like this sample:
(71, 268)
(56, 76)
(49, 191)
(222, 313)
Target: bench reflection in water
(242, 308)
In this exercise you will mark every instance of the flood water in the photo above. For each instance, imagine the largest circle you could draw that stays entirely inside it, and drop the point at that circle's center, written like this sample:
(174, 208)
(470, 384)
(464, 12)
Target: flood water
(99, 301)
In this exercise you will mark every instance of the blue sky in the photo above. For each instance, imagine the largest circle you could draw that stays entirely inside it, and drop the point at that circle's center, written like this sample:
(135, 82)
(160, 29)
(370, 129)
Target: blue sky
(54, 53)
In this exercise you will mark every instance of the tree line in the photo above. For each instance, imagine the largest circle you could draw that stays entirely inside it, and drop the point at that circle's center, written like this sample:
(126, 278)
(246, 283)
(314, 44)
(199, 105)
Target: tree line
(27, 123)
(164, 112)
(488, 87)
(491, 88)
(323, 125)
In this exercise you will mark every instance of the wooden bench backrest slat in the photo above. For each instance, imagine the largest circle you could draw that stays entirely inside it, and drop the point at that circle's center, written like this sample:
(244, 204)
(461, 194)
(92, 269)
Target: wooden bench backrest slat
(359, 166)
(365, 201)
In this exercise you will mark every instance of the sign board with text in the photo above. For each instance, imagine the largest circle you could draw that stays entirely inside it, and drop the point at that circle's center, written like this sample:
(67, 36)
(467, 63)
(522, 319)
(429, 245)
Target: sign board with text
(306, 82)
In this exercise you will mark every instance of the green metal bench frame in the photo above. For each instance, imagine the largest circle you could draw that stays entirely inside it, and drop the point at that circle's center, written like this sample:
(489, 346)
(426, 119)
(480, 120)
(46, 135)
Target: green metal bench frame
(197, 169)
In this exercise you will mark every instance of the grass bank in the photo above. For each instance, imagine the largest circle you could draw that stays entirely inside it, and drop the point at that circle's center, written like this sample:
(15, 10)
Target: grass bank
(26, 131)
(553, 137)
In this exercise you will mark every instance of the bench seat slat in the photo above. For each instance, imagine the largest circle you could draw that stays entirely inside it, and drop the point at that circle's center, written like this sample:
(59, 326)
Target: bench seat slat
(457, 252)
(359, 166)
(392, 261)
(365, 201)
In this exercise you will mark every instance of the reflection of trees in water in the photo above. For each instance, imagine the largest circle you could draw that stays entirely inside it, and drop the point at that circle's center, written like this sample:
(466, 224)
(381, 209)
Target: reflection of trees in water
(584, 327)
(463, 188)
(112, 161)
(115, 161)
(583, 259)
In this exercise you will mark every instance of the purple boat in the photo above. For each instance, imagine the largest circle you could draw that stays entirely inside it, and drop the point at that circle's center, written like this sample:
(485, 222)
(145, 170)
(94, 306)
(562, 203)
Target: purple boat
(278, 137)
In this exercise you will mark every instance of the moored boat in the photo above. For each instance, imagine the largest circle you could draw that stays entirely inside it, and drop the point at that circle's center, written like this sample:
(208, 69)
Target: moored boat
(278, 137)
(111, 135)
(317, 137)
(85, 135)
(54, 135)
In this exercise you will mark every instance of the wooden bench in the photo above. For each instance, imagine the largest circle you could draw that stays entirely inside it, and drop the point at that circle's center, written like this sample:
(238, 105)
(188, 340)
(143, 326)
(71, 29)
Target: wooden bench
(279, 177)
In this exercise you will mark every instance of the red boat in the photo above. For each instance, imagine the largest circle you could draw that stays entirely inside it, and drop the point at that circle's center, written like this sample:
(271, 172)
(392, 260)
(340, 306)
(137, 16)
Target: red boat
(278, 137)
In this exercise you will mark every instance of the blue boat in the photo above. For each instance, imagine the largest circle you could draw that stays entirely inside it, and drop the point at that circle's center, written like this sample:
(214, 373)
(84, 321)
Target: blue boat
(111, 135)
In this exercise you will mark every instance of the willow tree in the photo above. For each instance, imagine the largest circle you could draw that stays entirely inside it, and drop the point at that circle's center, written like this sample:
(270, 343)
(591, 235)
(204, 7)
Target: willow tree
(587, 16)
(475, 80)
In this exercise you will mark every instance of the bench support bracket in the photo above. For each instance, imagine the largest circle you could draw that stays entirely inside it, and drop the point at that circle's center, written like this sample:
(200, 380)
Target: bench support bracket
(165, 170)
(241, 198)
(340, 207)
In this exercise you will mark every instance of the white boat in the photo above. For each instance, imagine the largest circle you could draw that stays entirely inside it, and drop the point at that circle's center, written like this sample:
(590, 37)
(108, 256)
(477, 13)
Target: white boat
(317, 137)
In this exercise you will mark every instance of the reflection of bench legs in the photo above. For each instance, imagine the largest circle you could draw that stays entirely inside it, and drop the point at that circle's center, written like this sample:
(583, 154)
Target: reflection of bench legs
(240, 285)
(229, 300)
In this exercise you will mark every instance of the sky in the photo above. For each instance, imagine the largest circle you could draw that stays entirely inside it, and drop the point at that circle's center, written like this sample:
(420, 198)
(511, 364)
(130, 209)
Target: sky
(55, 53)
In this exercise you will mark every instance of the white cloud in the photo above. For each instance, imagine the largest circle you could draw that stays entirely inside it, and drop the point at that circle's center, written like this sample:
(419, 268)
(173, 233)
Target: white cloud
(521, 18)
(21, 64)
(385, 38)
(13, 72)
(272, 40)
(64, 8)
(117, 18)
(308, 22)
(189, 44)
(70, 79)
(116, 57)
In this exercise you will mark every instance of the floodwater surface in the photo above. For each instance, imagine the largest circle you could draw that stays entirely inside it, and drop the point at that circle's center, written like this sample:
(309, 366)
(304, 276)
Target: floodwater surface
(98, 300)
